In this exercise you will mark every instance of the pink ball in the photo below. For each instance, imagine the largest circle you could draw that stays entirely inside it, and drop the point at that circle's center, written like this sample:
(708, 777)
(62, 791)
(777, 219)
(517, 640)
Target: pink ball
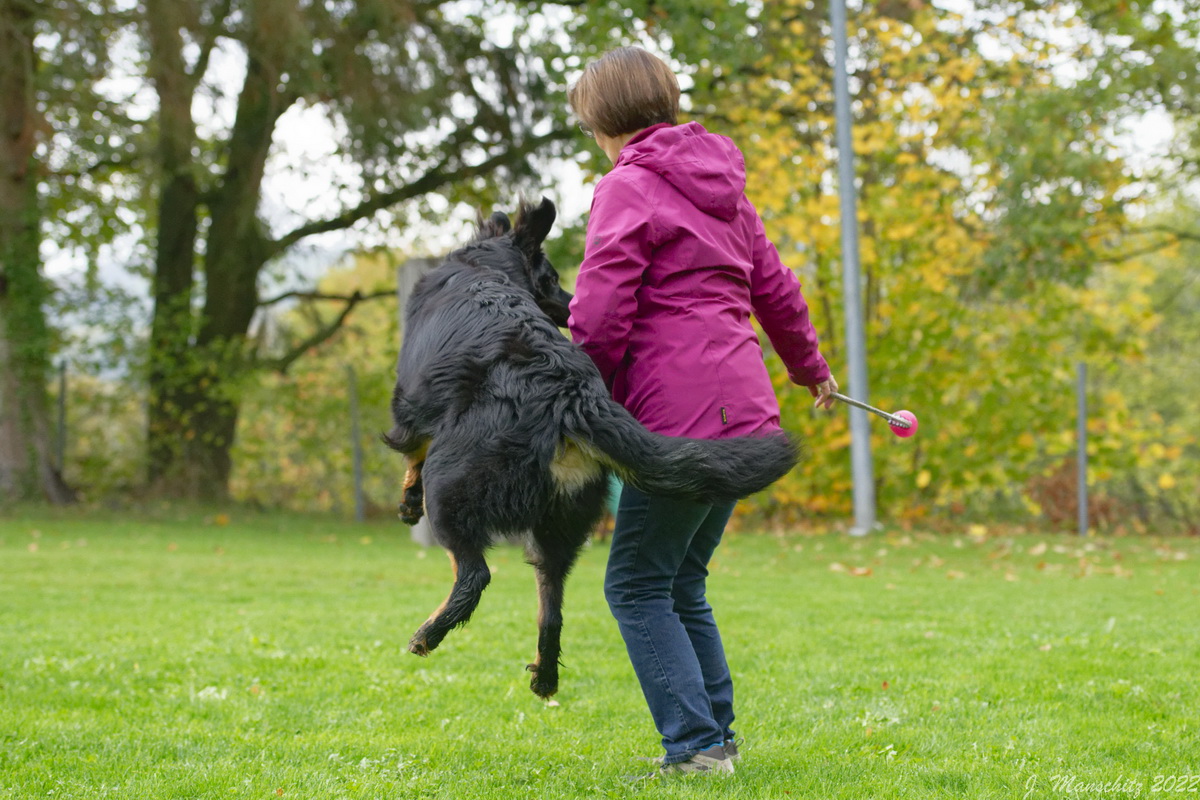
(904, 433)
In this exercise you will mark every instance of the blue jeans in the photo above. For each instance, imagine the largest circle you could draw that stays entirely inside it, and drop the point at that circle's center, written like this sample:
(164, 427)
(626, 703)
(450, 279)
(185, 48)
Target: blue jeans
(655, 587)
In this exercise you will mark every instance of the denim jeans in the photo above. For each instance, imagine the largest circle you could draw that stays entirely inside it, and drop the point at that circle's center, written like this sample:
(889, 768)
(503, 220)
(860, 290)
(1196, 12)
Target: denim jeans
(655, 587)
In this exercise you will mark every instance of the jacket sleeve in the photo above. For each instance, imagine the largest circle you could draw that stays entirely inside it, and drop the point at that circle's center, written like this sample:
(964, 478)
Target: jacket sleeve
(617, 252)
(780, 308)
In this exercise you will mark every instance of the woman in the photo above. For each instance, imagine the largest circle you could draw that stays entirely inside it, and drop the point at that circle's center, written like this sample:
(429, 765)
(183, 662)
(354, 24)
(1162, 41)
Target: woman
(675, 262)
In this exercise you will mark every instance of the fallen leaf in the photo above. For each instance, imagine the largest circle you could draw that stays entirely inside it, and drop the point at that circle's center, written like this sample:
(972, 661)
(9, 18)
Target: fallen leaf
(837, 567)
(860, 572)
(1046, 647)
(1037, 549)
(954, 574)
(885, 685)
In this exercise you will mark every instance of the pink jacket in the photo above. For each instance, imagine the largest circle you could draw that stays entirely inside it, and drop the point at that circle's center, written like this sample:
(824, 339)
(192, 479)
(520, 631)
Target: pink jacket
(675, 262)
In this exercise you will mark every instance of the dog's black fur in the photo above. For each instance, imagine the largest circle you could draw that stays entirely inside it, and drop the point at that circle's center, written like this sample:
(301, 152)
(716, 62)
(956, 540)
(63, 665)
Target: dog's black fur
(510, 430)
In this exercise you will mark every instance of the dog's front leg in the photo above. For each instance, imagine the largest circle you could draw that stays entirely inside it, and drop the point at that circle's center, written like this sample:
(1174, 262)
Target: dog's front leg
(544, 682)
(412, 503)
(551, 564)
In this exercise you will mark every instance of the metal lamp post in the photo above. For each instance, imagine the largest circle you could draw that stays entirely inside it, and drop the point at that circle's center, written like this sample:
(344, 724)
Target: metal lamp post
(856, 351)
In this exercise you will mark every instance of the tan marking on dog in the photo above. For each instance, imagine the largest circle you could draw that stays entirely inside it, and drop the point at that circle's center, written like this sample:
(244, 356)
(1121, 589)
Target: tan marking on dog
(442, 607)
(414, 460)
(410, 476)
(574, 466)
(418, 646)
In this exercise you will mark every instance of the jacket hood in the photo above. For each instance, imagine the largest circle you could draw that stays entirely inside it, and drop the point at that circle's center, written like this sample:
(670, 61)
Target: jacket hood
(706, 168)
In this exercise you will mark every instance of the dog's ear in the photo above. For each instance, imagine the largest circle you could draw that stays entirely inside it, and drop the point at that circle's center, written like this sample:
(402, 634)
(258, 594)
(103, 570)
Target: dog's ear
(495, 225)
(533, 225)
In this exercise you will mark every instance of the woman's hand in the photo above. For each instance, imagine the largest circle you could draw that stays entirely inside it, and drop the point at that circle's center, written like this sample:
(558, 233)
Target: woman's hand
(824, 393)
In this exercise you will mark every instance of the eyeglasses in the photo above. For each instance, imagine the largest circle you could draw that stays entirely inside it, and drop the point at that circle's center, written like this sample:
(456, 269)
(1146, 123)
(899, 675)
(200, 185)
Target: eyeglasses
(588, 132)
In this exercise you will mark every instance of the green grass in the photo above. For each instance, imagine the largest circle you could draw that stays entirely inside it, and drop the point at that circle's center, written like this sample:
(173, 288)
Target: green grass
(183, 658)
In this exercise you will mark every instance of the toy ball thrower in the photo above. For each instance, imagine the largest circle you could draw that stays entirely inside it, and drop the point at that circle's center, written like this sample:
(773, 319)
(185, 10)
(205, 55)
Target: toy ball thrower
(902, 423)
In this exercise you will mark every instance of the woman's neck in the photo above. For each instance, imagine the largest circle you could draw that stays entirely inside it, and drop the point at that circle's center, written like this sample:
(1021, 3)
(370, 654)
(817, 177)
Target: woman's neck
(611, 145)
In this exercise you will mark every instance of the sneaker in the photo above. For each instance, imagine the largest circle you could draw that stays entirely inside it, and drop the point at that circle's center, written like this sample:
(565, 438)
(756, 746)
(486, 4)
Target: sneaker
(731, 749)
(711, 759)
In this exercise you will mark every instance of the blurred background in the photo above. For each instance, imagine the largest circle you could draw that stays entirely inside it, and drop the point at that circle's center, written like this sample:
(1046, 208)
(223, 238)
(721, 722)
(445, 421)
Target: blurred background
(205, 205)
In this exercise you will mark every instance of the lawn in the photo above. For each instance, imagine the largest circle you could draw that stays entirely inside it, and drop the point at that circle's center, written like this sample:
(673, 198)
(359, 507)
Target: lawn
(263, 656)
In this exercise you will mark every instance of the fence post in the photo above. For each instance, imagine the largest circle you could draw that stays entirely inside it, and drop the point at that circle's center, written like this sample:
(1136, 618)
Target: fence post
(61, 443)
(356, 441)
(1081, 459)
(406, 278)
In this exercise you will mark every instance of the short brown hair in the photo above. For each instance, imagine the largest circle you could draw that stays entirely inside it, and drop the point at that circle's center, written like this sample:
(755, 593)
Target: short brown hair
(625, 90)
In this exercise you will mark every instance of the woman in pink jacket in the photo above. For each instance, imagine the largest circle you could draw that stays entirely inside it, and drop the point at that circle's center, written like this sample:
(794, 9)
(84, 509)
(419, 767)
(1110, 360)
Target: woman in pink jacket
(676, 261)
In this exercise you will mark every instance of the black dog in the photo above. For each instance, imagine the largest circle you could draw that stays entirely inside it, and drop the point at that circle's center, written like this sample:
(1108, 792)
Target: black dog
(509, 430)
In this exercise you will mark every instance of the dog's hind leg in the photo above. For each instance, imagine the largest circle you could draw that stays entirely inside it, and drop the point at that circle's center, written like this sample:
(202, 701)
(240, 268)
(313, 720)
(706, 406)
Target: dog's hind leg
(471, 577)
(461, 525)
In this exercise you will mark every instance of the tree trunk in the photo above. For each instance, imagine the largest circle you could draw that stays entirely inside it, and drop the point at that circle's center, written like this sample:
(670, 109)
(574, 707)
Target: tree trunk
(27, 469)
(193, 379)
(177, 376)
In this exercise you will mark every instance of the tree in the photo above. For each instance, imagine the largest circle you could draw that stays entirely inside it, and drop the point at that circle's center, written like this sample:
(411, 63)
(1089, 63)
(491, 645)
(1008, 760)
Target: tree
(428, 105)
(988, 252)
(27, 468)
(1110, 71)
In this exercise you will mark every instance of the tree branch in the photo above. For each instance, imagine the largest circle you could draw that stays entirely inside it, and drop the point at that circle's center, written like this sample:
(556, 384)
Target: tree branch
(302, 295)
(210, 41)
(1129, 255)
(111, 162)
(285, 361)
(1167, 230)
(439, 176)
(1172, 236)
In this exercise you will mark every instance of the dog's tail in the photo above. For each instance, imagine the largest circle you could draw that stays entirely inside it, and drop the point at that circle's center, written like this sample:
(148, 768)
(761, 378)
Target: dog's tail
(707, 470)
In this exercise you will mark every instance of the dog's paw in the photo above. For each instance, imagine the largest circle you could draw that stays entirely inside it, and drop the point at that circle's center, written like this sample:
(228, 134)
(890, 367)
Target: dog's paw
(543, 683)
(410, 515)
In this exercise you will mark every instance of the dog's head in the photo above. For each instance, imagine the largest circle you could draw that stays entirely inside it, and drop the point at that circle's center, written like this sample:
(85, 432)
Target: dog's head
(521, 257)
